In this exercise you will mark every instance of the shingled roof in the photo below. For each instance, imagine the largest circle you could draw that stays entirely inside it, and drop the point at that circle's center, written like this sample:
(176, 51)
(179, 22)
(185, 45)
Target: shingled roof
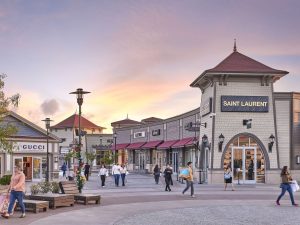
(72, 122)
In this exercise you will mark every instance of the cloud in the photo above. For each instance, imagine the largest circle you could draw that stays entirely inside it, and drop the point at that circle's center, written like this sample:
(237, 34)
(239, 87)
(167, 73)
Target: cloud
(50, 107)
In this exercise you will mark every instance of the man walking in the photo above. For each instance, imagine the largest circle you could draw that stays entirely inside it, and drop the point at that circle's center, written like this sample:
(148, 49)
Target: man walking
(189, 180)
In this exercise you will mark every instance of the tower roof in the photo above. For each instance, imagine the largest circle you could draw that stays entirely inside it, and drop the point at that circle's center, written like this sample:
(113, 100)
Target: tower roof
(72, 122)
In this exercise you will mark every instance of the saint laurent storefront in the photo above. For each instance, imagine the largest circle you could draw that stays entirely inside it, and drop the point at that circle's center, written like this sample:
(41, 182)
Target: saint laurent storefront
(250, 128)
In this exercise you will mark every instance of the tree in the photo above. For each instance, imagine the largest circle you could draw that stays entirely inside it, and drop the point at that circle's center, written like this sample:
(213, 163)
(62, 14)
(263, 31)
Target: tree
(7, 129)
(90, 157)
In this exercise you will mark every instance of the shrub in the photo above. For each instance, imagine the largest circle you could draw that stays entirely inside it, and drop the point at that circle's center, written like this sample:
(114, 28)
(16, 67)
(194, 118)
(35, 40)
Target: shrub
(5, 180)
(45, 187)
(54, 187)
(35, 189)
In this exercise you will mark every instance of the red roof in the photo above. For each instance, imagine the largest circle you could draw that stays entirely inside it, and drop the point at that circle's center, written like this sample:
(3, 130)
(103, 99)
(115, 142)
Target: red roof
(239, 63)
(136, 145)
(182, 142)
(167, 144)
(72, 122)
(191, 142)
(152, 144)
(121, 146)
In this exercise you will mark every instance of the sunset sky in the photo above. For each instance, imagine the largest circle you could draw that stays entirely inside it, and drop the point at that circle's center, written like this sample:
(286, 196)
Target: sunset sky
(135, 57)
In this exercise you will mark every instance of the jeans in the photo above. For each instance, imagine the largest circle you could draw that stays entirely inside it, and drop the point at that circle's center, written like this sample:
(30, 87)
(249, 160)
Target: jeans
(117, 178)
(123, 178)
(102, 180)
(284, 188)
(156, 178)
(188, 185)
(16, 195)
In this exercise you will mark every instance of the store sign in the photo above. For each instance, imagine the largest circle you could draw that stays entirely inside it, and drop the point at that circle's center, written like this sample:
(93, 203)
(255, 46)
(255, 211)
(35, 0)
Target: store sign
(244, 103)
(139, 134)
(31, 147)
(206, 107)
(156, 132)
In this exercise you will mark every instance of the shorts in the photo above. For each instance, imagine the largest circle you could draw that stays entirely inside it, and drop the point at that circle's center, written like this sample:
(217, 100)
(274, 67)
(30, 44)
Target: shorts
(228, 181)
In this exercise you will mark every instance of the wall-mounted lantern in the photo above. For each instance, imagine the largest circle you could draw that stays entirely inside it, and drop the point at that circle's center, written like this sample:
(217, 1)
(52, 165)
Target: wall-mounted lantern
(221, 140)
(298, 159)
(271, 142)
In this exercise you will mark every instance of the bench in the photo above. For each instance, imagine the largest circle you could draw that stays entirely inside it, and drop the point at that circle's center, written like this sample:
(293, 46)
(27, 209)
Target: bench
(35, 205)
(70, 187)
(55, 200)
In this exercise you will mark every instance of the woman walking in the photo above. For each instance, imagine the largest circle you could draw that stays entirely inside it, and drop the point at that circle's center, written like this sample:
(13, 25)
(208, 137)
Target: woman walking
(123, 172)
(156, 173)
(285, 186)
(168, 177)
(189, 180)
(103, 172)
(17, 188)
(228, 177)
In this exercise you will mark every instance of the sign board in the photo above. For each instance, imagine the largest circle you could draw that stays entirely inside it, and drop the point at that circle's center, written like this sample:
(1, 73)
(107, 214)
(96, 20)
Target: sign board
(244, 103)
(156, 132)
(139, 134)
(31, 147)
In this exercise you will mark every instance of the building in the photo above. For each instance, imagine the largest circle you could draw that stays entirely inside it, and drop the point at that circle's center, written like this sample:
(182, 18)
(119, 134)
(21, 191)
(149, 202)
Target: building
(241, 122)
(30, 150)
(68, 131)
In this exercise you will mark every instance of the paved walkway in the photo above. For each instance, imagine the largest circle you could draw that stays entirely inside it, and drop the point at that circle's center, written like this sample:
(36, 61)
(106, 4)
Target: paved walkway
(144, 203)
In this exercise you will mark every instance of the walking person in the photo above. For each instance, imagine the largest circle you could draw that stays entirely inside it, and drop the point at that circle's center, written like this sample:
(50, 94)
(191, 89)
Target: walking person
(228, 177)
(189, 180)
(156, 173)
(123, 172)
(103, 172)
(116, 172)
(17, 188)
(168, 177)
(64, 169)
(87, 171)
(285, 186)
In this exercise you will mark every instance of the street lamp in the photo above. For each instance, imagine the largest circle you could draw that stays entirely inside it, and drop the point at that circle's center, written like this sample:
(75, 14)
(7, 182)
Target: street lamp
(47, 122)
(115, 145)
(79, 95)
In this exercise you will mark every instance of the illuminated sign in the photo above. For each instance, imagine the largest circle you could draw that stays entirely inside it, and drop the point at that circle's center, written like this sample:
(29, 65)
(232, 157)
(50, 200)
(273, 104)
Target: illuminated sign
(244, 103)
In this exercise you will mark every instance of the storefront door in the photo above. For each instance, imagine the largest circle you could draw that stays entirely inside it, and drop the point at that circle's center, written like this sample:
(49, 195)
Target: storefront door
(141, 160)
(175, 162)
(159, 159)
(244, 164)
(37, 169)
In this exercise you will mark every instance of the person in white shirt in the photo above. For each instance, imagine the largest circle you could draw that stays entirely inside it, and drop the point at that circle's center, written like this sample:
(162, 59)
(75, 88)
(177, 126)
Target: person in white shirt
(123, 171)
(103, 172)
(116, 172)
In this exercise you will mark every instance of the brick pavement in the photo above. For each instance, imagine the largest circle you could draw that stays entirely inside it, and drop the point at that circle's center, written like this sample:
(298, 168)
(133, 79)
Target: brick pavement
(141, 196)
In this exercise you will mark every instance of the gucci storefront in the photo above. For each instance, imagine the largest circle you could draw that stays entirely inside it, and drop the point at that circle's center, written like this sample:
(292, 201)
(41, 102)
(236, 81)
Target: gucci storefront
(30, 150)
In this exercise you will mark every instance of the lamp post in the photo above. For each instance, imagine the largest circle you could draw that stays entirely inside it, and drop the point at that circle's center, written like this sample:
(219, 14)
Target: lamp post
(115, 146)
(205, 146)
(79, 95)
(47, 122)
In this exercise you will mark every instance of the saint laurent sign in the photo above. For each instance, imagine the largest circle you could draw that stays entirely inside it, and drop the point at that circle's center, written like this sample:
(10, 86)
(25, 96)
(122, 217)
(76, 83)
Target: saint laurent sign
(244, 103)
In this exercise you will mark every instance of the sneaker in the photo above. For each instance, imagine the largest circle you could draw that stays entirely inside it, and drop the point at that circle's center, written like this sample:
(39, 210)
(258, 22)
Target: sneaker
(193, 196)
(23, 215)
(296, 205)
(277, 203)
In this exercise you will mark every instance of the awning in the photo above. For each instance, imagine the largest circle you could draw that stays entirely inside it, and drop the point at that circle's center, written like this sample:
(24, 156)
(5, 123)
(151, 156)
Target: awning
(152, 144)
(191, 142)
(136, 145)
(183, 142)
(120, 146)
(167, 144)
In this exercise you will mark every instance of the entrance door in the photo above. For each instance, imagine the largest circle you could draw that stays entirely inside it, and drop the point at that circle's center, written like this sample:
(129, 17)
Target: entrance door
(141, 160)
(175, 162)
(244, 164)
(37, 169)
(159, 159)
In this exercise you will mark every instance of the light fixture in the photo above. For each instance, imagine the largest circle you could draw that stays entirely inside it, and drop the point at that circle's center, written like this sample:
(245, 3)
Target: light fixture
(298, 159)
(247, 123)
(47, 123)
(56, 159)
(204, 138)
(221, 140)
(271, 142)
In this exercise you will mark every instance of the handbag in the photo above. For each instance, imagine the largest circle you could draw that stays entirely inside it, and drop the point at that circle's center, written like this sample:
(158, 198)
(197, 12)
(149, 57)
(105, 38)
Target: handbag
(294, 185)
(227, 176)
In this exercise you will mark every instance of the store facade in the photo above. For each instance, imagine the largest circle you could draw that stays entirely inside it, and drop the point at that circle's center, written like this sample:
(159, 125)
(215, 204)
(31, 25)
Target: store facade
(30, 150)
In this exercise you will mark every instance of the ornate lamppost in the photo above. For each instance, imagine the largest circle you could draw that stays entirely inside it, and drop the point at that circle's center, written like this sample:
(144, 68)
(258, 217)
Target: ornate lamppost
(79, 95)
(47, 122)
(115, 146)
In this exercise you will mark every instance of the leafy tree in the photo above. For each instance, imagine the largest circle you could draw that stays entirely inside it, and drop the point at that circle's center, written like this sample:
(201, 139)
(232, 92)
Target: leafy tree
(90, 157)
(7, 129)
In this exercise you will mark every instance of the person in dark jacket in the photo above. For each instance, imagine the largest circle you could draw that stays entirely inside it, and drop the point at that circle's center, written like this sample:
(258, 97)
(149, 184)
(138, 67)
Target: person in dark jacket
(87, 171)
(168, 177)
(156, 173)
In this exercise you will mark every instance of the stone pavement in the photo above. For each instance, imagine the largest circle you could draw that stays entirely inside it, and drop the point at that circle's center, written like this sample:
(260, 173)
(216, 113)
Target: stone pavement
(143, 202)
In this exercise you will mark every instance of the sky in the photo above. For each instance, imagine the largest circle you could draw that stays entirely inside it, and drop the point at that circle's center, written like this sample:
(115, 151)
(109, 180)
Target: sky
(136, 57)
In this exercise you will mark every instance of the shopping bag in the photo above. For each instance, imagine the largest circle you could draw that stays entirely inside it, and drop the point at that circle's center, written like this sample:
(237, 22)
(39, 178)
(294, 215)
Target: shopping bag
(294, 185)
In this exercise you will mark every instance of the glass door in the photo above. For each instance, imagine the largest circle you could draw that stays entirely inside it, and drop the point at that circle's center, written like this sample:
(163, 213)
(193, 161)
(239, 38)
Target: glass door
(141, 160)
(175, 162)
(159, 159)
(244, 164)
(37, 168)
